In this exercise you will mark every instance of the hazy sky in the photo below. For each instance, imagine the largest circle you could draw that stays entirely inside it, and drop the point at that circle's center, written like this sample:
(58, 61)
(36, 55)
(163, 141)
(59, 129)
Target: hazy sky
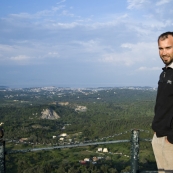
(82, 43)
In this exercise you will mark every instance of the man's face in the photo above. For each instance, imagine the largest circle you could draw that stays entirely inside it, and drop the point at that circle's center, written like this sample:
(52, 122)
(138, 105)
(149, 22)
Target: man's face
(166, 49)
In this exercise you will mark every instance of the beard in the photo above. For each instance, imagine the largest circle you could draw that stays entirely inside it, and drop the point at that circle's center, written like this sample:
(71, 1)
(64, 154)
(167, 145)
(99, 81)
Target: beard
(168, 61)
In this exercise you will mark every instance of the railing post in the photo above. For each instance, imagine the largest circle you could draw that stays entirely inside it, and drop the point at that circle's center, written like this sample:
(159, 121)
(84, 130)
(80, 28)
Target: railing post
(134, 151)
(2, 152)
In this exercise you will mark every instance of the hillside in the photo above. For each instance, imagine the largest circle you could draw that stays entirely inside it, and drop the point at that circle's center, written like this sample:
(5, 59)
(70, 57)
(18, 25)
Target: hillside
(41, 115)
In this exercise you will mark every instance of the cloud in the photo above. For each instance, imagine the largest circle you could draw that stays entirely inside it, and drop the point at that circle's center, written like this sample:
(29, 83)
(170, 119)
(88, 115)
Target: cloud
(154, 15)
(77, 40)
(52, 12)
(24, 53)
(60, 2)
(135, 54)
(127, 45)
(91, 45)
(117, 59)
(120, 39)
(20, 58)
(63, 25)
(53, 54)
(162, 2)
(21, 16)
(66, 13)
(136, 4)
(148, 69)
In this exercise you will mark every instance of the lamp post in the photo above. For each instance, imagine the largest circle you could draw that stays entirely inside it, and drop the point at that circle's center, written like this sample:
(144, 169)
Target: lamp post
(134, 151)
(2, 152)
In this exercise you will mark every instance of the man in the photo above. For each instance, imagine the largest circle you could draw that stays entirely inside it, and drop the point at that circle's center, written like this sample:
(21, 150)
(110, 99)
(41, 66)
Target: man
(162, 124)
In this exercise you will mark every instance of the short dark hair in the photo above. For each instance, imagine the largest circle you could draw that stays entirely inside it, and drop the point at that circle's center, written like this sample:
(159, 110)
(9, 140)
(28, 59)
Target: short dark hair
(164, 35)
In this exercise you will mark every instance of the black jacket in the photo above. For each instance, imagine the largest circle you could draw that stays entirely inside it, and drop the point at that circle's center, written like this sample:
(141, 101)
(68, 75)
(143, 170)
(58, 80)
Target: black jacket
(163, 120)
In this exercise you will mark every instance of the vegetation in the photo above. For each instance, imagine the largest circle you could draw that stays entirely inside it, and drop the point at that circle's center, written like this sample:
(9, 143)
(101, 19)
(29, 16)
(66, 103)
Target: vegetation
(110, 114)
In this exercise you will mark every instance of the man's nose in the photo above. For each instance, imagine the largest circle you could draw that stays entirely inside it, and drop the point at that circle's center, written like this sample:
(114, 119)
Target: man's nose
(164, 52)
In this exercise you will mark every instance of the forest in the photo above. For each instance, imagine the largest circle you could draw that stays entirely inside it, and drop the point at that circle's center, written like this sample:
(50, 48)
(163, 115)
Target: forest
(109, 114)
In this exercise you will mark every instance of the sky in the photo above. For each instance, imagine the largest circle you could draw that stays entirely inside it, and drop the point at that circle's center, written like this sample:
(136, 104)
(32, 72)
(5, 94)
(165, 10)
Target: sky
(82, 43)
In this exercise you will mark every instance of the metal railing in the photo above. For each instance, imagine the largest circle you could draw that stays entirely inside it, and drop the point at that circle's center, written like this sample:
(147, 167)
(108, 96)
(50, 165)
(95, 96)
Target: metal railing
(134, 150)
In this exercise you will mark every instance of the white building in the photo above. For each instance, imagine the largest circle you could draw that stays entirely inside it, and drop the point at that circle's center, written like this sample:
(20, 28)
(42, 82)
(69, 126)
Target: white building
(105, 150)
(86, 159)
(63, 135)
(61, 139)
(99, 149)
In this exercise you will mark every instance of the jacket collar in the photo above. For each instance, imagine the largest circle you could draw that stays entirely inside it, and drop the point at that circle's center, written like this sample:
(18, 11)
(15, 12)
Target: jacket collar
(169, 66)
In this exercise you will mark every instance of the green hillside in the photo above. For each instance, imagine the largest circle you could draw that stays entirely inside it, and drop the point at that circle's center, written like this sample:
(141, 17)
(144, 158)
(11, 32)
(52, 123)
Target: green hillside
(101, 114)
